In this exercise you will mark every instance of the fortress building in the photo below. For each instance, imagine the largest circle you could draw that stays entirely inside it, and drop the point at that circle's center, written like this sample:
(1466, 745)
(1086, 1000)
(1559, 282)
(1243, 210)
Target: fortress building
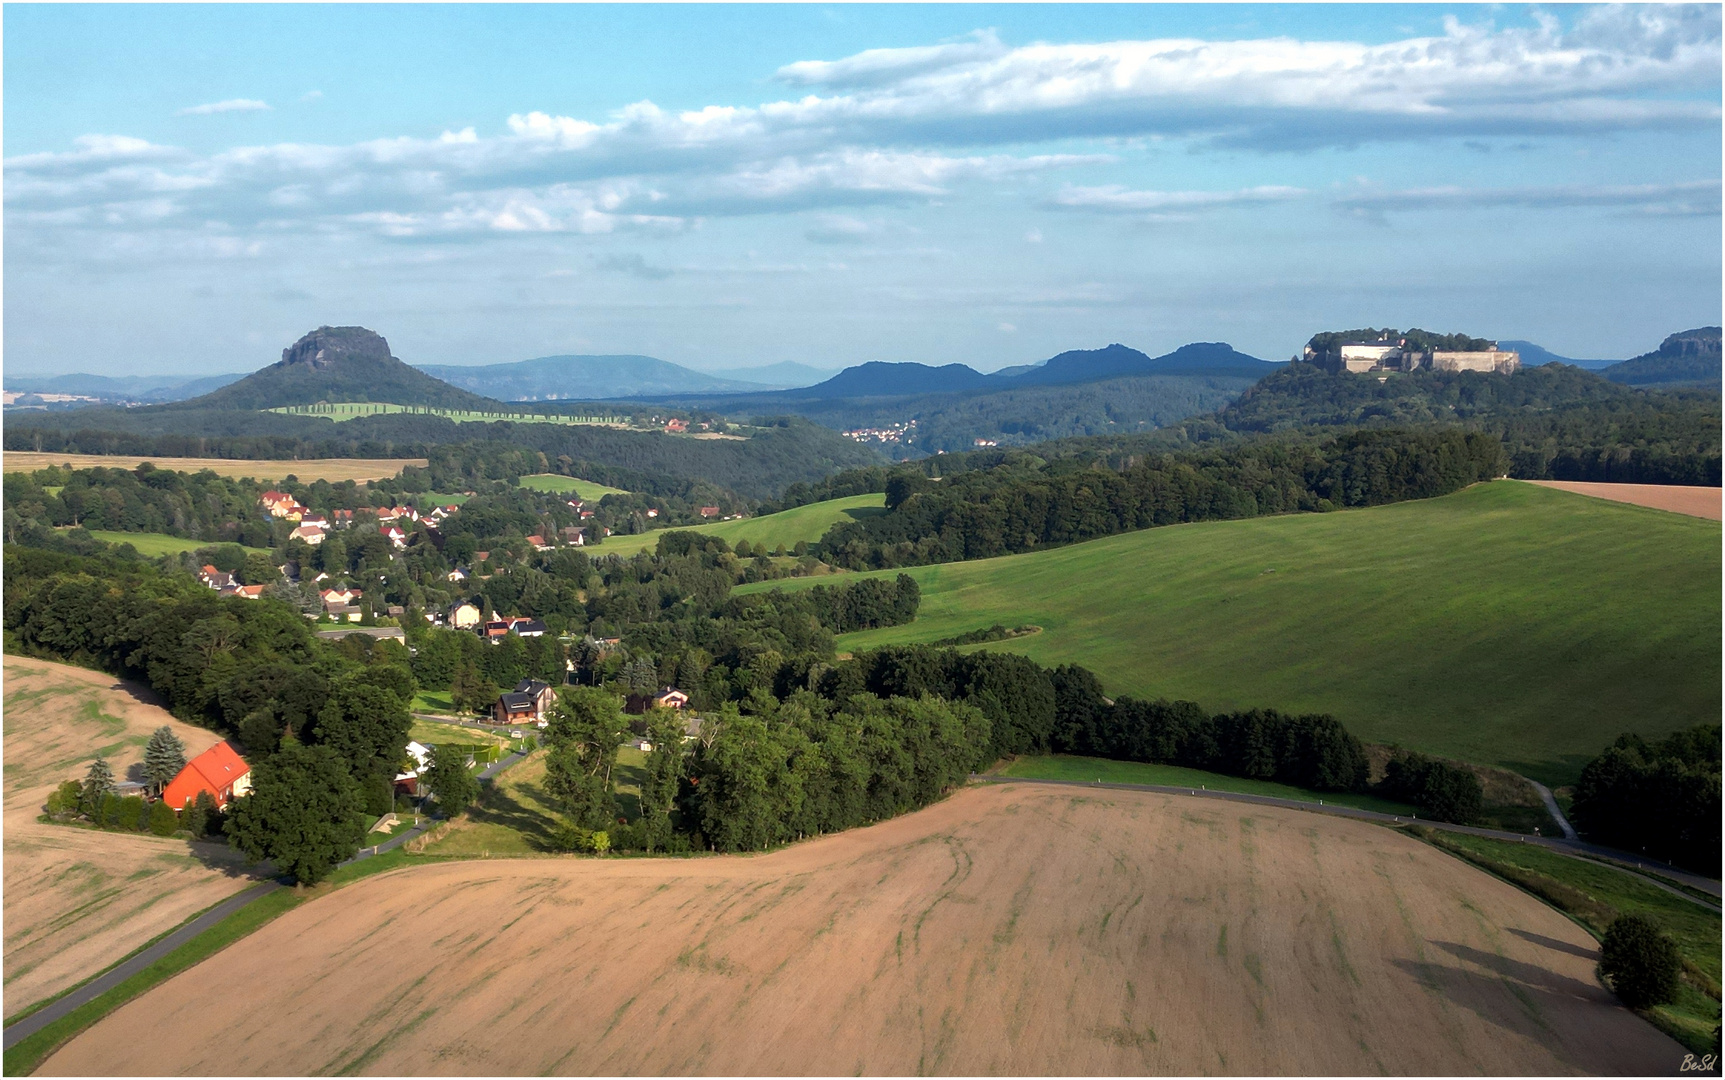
(1396, 355)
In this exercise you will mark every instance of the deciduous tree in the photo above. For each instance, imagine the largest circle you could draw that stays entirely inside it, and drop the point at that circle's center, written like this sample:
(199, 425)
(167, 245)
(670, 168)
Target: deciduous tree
(304, 812)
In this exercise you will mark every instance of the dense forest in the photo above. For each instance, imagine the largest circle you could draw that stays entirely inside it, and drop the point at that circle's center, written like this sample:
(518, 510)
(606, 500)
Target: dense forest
(1022, 503)
(1556, 422)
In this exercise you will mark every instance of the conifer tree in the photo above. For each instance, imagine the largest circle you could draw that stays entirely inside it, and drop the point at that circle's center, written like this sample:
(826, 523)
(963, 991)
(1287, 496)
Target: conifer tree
(98, 784)
(164, 757)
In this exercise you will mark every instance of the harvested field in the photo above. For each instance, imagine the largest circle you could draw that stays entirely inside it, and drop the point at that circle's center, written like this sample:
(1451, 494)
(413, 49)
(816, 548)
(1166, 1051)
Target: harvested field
(77, 900)
(1701, 502)
(1006, 930)
(331, 469)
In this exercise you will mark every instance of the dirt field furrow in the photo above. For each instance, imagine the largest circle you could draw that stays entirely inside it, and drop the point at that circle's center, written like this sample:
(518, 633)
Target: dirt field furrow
(78, 900)
(1006, 930)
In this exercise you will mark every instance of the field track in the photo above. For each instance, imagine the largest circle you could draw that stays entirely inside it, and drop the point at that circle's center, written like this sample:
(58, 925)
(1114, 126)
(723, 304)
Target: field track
(331, 469)
(77, 900)
(1701, 502)
(1009, 929)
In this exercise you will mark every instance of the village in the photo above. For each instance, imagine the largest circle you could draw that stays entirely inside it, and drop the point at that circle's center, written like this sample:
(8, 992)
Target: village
(213, 779)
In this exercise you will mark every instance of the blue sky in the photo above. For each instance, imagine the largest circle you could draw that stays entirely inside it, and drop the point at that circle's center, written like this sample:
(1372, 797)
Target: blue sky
(190, 188)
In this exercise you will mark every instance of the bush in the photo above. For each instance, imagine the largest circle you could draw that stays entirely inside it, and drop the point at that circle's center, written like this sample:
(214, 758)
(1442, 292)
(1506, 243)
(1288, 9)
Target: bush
(1441, 791)
(65, 799)
(1640, 961)
(125, 813)
(163, 820)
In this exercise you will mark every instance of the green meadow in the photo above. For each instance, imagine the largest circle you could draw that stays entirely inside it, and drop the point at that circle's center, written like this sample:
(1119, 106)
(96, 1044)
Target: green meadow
(569, 485)
(772, 530)
(1507, 624)
(152, 545)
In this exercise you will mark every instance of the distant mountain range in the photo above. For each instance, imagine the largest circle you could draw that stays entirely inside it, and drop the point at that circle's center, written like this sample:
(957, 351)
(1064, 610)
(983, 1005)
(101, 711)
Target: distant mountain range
(1534, 356)
(586, 378)
(878, 379)
(127, 388)
(337, 363)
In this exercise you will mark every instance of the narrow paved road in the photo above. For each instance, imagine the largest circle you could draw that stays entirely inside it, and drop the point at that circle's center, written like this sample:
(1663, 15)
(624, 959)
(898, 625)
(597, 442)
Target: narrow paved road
(1551, 808)
(1619, 860)
(124, 970)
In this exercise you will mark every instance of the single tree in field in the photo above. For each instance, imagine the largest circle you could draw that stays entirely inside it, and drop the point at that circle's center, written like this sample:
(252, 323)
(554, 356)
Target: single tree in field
(1640, 961)
(164, 757)
(454, 788)
(98, 783)
(305, 813)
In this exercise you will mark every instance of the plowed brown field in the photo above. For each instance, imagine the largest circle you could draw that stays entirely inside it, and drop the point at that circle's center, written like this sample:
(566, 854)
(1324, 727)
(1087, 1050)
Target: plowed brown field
(77, 900)
(1006, 930)
(1701, 502)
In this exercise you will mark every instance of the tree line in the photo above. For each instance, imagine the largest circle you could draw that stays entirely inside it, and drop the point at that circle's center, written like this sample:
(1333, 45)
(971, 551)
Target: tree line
(1023, 504)
(1660, 797)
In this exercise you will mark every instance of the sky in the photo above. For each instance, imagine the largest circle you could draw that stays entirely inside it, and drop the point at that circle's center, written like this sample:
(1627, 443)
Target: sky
(190, 188)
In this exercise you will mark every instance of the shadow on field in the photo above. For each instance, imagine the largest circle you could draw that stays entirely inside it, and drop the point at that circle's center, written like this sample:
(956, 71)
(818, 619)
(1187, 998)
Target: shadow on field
(1553, 943)
(1536, 996)
(498, 807)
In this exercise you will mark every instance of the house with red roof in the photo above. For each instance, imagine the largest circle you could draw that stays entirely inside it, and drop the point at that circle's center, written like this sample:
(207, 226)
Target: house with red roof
(219, 770)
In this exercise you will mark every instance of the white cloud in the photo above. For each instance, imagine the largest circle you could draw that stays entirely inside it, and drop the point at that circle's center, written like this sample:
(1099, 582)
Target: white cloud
(312, 95)
(230, 105)
(1163, 205)
(1698, 198)
(908, 125)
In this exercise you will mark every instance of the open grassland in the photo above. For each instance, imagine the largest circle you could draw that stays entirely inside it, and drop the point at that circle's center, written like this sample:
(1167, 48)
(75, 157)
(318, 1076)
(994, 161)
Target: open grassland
(1003, 931)
(782, 529)
(557, 484)
(1074, 767)
(151, 545)
(77, 900)
(331, 469)
(353, 410)
(1703, 502)
(1506, 624)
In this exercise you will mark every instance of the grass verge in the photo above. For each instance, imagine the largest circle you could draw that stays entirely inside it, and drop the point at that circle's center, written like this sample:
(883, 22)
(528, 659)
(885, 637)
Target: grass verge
(1593, 894)
(1071, 767)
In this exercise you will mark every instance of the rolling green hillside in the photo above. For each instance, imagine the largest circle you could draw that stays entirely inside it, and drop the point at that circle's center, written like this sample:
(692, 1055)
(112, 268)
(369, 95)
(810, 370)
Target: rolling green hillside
(1506, 624)
(785, 527)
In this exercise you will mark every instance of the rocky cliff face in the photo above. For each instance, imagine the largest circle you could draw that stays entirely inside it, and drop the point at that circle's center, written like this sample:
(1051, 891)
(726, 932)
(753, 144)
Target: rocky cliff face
(329, 345)
(1700, 342)
(1687, 358)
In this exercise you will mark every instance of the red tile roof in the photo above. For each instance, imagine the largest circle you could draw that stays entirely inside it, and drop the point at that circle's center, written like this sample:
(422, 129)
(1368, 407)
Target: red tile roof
(214, 771)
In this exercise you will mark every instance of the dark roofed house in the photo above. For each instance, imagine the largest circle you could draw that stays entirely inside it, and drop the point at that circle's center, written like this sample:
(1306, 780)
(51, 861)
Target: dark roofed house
(514, 709)
(541, 694)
